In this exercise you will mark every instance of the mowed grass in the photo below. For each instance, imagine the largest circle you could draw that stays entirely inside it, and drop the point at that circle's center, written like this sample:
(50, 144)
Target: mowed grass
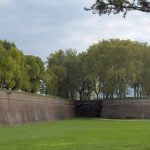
(78, 134)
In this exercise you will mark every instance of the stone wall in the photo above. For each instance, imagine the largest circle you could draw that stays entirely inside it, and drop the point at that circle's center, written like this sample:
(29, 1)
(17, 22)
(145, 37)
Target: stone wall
(114, 108)
(18, 108)
(126, 109)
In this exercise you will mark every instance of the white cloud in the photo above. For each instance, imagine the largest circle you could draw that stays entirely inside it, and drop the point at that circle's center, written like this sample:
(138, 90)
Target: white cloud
(82, 33)
(4, 3)
(42, 26)
(48, 3)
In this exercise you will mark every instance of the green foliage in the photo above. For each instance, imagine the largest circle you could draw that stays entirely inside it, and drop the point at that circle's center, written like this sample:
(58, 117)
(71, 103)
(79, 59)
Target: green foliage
(35, 71)
(118, 64)
(62, 67)
(18, 71)
(7, 68)
(103, 7)
(7, 45)
(108, 68)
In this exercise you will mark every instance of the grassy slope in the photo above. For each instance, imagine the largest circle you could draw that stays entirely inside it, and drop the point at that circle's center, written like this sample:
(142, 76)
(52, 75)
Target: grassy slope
(77, 134)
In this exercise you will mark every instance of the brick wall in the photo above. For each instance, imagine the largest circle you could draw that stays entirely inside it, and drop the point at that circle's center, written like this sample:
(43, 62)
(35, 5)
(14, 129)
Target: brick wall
(114, 109)
(126, 109)
(18, 108)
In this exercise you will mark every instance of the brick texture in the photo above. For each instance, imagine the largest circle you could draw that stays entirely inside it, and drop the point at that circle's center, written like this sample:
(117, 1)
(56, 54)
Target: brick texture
(138, 109)
(18, 108)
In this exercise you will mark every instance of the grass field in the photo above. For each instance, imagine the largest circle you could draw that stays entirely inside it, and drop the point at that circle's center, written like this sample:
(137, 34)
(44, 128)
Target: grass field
(78, 134)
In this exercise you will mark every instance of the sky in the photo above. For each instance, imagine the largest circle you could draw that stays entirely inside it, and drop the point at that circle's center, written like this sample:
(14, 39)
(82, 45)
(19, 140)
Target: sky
(41, 27)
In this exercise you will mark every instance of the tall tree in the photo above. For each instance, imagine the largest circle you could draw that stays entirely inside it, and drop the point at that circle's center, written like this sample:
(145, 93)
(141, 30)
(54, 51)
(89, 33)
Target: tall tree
(7, 68)
(63, 67)
(115, 65)
(35, 70)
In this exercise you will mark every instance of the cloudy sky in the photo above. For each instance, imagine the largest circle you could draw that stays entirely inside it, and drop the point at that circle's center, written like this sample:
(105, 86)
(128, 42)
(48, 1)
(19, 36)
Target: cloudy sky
(40, 27)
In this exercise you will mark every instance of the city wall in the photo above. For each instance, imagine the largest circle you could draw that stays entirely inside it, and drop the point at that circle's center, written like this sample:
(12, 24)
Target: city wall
(18, 108)
(124, 109)
(138, 109)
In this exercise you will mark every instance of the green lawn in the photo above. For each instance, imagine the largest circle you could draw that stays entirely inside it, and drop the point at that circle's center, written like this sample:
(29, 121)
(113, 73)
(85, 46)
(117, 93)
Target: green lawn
(78, 134)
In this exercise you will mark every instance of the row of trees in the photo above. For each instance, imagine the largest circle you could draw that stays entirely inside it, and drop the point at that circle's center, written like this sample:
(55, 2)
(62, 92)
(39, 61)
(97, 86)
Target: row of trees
(107, 68)
(18, 71)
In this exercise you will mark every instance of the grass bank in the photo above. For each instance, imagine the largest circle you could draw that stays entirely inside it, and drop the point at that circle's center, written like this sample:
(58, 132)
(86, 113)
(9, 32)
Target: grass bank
(78, 134)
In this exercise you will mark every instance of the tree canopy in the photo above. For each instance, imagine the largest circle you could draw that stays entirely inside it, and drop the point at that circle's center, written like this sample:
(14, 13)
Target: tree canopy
(103, 7)
(106, 70)
(19, 71)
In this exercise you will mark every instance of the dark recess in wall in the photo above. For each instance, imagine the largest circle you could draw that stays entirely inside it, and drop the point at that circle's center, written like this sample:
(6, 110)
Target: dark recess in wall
(88, 108)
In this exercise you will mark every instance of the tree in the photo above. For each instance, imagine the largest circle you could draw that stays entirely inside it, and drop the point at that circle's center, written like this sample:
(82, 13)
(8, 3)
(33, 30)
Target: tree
(35, 71)
(7, 68)
(7, 45)
(18, 71)
(56, 81)
(55, 74)
(63, 70)
(18, 59)
(135, 70)
(103, 7)
(145, 75)
(114, 65)
(73, 73)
